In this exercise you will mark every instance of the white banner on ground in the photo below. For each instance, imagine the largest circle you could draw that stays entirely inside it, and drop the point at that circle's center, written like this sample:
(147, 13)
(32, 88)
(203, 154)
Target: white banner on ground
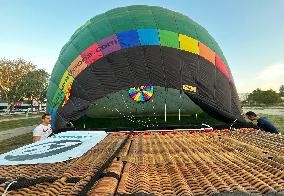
(58, 148)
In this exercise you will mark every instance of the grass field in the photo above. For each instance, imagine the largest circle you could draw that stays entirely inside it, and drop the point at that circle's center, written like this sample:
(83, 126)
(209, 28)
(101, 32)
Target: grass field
(11, 124)
(15, 142)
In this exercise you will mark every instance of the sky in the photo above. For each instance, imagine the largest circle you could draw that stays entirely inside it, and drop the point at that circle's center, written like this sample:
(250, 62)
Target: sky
(250, 32)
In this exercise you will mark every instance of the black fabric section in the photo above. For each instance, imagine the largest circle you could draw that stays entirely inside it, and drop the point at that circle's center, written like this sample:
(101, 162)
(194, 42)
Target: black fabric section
(171, 64)
(103, 72)
(24, 183)
(189, 70)
(235, 104)
(100, 171)
(111, 174)
(157, 66)
(154, 64)
(214, 110)
(222, 91)
(2, 180)
(138, 67)
(120, 66)
(73, 180)
(206, 78)
(73, 110)
(88, 86)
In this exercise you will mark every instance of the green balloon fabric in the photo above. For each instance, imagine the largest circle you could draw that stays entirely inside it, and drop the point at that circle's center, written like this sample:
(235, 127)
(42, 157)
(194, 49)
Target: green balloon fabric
(179, 51)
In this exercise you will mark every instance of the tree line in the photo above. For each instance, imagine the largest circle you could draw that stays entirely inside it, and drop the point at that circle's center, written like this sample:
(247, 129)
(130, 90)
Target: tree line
(265, 97)
(21, 80)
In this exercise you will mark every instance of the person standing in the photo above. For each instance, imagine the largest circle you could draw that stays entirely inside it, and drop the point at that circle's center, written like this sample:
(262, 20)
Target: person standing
(43, 130)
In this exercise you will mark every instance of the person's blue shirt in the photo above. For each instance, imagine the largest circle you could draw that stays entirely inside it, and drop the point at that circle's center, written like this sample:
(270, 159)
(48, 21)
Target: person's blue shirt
(266, 125)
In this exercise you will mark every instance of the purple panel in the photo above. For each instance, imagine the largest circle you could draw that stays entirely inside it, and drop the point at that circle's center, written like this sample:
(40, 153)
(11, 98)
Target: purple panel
(109, 45)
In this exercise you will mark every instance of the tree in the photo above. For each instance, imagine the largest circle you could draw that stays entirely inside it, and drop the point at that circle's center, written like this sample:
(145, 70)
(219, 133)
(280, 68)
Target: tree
(268, 97)
(281, 91)
(34, 85)
(11, 72)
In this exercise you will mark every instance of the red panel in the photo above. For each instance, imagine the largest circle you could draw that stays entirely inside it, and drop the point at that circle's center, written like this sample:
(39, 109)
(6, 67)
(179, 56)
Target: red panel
(222, 67)
(91, 54)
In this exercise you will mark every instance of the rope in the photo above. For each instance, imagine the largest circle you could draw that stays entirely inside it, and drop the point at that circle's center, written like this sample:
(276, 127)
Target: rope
(24, 183)
(6, 190)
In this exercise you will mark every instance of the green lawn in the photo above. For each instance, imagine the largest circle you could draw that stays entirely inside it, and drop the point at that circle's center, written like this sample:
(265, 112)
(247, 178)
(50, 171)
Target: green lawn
(15, 142)
(11, 124)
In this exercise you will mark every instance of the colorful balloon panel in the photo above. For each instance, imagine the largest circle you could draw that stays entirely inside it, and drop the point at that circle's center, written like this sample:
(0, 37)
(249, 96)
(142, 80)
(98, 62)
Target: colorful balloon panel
(142, 93)
(109, 45)
(189, 44)
(143, 37)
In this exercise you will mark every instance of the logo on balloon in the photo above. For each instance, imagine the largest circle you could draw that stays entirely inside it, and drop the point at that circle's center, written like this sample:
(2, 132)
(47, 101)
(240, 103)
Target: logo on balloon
(42, 150)
(141, 93)
(189, 88)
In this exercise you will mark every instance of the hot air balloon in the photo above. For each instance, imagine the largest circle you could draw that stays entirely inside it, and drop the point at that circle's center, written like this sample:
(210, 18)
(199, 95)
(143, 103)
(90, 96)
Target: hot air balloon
(116, 53)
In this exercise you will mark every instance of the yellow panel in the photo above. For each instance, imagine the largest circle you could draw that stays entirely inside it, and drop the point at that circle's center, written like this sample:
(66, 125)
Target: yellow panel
(189, 44)
(66, 81)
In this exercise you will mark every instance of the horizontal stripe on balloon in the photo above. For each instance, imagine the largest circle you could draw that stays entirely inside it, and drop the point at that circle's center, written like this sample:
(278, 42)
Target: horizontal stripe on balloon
(133, 38)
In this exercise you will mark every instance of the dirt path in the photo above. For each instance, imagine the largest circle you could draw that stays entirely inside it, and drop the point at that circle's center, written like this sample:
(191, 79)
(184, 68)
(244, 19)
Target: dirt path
(15, 132)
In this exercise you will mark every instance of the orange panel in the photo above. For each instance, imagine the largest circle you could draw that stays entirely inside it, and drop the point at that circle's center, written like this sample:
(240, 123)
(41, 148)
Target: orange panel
(206, 53)
(77, 66)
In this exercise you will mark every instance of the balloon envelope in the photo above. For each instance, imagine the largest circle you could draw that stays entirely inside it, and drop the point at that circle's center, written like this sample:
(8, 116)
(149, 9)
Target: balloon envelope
(138, 46)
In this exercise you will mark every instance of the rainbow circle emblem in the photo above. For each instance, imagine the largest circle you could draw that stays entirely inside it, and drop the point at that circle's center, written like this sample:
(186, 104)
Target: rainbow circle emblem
(141, 93)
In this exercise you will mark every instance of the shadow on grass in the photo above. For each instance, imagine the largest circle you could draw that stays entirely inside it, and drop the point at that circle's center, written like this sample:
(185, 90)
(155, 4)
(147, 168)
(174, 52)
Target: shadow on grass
(15, 142)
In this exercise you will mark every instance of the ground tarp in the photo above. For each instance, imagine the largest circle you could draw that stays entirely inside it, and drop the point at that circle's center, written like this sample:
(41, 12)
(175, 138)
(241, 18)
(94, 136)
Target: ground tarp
(57, 148)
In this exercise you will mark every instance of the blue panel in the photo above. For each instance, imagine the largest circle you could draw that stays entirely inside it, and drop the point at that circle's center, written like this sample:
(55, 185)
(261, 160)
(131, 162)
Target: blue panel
(148, 36)
(53, 116)
(128, 39)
